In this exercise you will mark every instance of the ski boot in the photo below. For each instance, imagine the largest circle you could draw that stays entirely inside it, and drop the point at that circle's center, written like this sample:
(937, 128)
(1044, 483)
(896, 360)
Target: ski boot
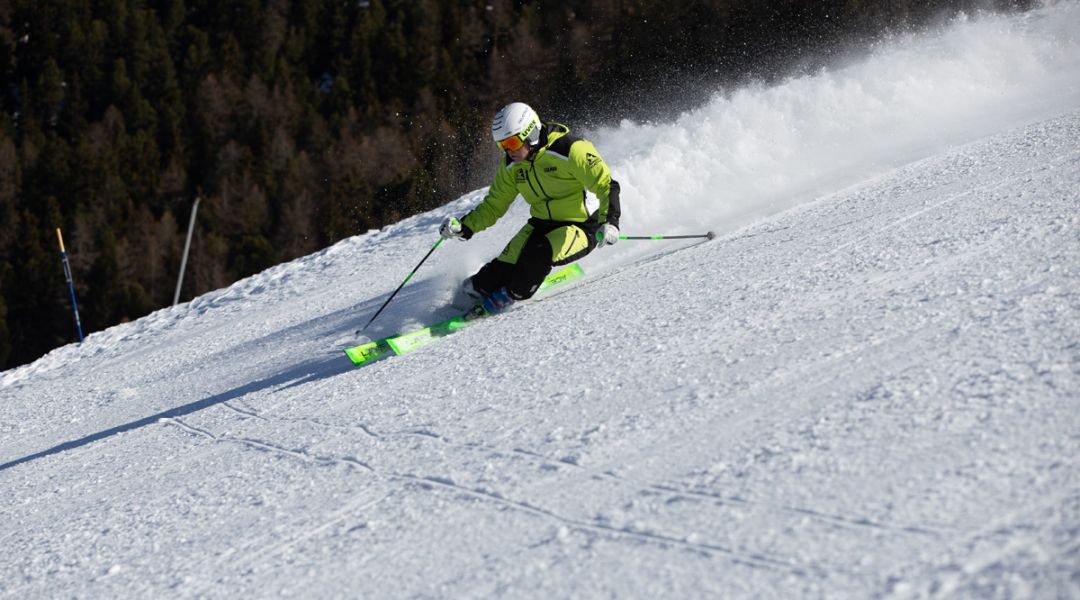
(497, 302)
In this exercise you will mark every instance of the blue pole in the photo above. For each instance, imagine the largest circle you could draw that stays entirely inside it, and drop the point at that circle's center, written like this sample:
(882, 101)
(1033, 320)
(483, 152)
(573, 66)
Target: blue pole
(71, 284)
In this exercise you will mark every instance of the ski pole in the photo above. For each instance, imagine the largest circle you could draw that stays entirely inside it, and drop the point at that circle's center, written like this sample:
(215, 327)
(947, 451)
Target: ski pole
(70, 282)
(708, 235)
(378, 312)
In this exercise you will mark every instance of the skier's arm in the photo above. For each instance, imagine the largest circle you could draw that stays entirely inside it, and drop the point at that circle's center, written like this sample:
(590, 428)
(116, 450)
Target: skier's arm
(500, 196)
(593, 173)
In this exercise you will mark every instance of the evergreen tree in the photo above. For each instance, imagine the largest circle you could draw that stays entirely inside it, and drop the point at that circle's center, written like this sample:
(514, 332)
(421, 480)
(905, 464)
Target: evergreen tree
(300, 123)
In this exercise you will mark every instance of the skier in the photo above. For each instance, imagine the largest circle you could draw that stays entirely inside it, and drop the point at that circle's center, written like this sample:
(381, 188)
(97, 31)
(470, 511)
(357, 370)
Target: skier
(551, 170)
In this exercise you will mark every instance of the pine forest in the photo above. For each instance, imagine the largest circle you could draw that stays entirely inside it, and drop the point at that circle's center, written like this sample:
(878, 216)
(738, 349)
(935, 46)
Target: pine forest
(299, 123)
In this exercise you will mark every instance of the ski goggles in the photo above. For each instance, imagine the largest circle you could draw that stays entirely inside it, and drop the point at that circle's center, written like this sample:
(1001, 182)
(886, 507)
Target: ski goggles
(511, 144)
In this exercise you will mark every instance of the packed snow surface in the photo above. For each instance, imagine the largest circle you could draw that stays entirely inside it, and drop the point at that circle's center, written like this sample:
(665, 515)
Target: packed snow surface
(867, 386)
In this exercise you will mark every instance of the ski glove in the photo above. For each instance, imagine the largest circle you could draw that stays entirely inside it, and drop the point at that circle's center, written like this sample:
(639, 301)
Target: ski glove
(608, 235)
(451, 228)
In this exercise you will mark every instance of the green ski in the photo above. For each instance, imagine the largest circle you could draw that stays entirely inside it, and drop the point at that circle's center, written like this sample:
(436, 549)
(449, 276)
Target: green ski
(407, 342)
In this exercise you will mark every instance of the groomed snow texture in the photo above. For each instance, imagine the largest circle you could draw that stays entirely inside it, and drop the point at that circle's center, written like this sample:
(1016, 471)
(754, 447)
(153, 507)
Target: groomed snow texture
(867, 386)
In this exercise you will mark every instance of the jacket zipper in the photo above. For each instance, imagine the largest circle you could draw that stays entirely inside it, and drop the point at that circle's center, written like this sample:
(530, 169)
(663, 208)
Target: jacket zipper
(547, 199)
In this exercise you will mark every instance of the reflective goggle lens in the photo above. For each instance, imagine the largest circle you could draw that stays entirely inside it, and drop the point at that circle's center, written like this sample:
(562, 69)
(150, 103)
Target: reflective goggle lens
(511, 144)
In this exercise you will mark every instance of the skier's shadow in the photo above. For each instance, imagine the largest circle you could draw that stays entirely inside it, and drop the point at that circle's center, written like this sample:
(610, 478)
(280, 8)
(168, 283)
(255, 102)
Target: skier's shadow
(300, 374)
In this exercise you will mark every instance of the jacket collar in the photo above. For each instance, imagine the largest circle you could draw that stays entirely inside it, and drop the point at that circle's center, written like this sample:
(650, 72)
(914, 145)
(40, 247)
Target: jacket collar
(549, 133)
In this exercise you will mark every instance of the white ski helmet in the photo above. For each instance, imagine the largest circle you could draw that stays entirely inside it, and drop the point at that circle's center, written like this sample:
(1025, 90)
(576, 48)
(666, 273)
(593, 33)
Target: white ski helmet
(516, 121)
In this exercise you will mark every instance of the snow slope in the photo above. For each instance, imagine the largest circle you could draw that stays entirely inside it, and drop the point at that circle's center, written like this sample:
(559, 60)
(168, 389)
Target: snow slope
(867, 386)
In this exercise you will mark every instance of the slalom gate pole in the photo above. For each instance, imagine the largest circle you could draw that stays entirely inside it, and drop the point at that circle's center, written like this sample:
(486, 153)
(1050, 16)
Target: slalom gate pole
(70, 282)
(378, 312)
(708, 235)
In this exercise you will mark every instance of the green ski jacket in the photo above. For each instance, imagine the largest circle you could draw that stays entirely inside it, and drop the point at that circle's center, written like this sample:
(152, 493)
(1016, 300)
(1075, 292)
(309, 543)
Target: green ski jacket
(553, 181)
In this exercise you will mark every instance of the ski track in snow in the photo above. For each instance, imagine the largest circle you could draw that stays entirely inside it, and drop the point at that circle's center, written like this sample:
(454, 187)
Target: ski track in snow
(870, 392)
(430, 481)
